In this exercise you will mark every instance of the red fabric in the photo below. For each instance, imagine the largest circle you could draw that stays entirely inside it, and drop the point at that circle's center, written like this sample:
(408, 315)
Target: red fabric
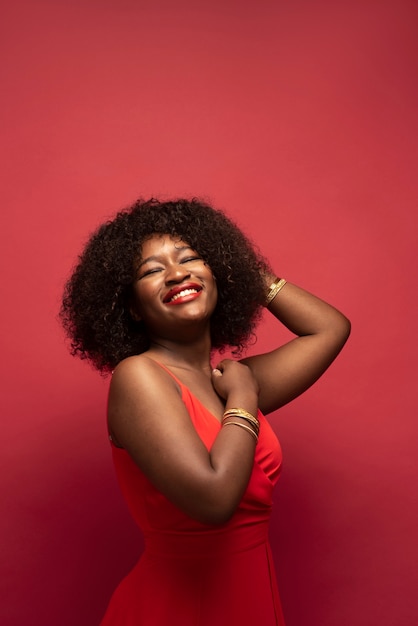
(193, 574)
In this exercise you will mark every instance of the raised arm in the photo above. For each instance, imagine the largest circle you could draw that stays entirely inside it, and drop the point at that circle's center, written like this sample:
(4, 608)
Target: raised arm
(148, 418)
(286, 372)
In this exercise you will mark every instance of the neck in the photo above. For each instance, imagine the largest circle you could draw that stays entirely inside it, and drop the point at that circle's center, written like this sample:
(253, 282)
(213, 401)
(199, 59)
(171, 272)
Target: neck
(191, 355)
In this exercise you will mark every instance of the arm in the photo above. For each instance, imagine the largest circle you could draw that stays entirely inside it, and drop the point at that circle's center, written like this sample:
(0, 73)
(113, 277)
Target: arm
(148, 418)
(289, 370)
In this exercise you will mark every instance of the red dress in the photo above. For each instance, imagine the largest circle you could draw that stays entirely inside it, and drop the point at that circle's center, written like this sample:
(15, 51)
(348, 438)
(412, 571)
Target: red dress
(192, 574)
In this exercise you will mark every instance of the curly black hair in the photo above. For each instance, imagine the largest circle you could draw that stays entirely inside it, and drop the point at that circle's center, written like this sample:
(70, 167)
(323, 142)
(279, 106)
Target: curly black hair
(95, 310)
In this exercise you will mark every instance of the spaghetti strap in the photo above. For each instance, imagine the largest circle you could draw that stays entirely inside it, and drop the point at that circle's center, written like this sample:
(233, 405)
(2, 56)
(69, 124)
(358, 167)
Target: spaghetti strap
(164, 367)
(188, 396)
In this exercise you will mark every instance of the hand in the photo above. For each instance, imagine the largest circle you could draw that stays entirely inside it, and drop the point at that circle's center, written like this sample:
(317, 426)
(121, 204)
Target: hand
(233, 377)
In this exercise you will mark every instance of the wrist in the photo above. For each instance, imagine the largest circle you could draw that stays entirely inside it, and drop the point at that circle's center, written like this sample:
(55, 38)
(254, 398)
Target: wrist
(247, 400)
(273, 289)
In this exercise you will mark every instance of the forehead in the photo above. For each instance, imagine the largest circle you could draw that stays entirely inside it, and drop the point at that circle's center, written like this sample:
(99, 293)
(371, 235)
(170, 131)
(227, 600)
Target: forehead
(162, 244)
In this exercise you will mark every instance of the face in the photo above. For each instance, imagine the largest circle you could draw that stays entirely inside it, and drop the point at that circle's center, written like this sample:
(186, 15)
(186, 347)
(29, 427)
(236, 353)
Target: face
(174, 289)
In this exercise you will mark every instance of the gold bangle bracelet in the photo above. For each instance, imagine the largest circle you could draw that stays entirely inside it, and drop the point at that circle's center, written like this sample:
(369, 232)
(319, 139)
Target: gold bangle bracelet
(248, 428)
(274, 289)
(254, 427)
(238, 411)
(253, 421)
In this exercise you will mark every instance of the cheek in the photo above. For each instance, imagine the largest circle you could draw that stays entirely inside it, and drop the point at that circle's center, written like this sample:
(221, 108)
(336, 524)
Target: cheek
(147, 297)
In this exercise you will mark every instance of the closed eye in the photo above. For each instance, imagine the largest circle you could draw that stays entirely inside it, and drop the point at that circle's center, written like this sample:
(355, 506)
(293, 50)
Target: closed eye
(154, 270)
(150, 271)
(191, 258)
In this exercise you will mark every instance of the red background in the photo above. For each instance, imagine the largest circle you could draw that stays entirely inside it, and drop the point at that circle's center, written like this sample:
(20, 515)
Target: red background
(299, 119)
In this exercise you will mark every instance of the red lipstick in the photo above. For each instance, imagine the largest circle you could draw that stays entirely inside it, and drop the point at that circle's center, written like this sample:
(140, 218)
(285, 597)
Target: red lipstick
(182, 293)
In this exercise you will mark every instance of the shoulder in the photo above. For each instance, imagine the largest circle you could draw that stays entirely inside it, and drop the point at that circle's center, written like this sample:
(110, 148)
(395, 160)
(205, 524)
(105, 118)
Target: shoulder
(140, 374)
(134, 365)
(140, 388)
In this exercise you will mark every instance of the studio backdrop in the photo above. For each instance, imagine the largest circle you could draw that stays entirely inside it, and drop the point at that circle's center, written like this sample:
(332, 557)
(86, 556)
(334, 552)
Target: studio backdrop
(299, 120)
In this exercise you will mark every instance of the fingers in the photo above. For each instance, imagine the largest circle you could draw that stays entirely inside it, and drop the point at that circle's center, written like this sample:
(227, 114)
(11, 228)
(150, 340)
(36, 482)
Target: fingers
(218, 370)
(224, 363)
(233, 377)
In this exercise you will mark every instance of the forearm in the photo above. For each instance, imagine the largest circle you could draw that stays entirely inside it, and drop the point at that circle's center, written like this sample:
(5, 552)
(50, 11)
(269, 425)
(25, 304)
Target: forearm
(305, 314)
(289, 369)
(232, 459)
(232, 456)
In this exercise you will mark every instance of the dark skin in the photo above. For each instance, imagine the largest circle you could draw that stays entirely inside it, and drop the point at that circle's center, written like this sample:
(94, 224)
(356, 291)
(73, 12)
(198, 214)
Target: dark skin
(146, 414)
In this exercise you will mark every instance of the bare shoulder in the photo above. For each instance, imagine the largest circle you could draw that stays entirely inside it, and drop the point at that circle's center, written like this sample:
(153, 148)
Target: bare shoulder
(139, 385)
(140, 374)
(140, 363)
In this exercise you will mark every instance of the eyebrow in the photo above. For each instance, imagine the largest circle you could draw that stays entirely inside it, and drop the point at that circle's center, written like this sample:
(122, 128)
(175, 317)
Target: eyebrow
(158, 258)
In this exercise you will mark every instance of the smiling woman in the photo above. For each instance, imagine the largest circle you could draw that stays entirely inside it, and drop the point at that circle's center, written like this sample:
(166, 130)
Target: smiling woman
(96, 310)
(171, 274)
(154, 292)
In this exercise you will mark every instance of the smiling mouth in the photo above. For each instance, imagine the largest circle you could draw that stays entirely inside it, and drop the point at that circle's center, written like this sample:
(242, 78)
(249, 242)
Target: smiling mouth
(182, 294)
(176, 295)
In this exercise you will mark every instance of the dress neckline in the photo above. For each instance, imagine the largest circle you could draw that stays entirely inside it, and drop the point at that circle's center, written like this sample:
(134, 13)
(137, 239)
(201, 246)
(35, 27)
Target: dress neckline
(182, 385)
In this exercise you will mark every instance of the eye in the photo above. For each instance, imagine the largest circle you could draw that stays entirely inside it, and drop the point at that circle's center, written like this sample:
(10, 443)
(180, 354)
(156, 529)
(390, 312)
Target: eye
(153, 270)
(191, 258)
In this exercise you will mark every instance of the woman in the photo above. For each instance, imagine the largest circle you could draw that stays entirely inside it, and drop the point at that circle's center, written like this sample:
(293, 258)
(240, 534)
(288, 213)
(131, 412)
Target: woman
(155, 292)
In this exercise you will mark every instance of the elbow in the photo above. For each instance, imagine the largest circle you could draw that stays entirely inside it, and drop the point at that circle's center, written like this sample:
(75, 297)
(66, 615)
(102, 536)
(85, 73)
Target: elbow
(215, 516)
(341, 334)
(214, 511)
(337, 334)
(339, 330)
(214, 500)
(345, 329)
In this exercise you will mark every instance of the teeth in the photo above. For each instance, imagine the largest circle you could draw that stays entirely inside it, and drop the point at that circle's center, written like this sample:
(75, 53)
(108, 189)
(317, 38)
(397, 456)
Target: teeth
(183, 293)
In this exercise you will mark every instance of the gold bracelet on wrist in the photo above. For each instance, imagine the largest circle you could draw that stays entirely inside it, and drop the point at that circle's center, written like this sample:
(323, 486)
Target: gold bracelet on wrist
(247, 428)
(238, 411)
(274, 289)
(243, 414)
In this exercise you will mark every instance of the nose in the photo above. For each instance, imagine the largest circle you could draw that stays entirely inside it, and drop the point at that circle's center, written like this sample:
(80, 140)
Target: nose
(176, 273)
